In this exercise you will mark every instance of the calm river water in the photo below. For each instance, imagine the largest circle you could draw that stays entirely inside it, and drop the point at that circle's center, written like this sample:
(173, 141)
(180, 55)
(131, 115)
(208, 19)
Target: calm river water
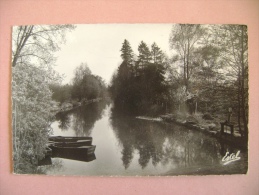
(126, 146)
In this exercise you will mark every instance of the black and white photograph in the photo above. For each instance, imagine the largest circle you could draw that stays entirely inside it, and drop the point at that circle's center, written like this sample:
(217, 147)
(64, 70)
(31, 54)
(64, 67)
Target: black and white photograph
(130, 99)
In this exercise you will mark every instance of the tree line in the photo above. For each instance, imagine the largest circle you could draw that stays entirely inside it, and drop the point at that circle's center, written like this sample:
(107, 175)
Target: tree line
(83, 87)
(139, 85)
(207, 73)
(37, 88)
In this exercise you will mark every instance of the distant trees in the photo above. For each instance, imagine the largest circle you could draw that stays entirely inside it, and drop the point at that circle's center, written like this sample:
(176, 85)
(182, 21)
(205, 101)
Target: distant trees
(60, 93)
(85, 85)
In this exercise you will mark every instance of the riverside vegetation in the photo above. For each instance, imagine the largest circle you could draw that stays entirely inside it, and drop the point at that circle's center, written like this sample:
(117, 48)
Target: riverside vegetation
(205, 75)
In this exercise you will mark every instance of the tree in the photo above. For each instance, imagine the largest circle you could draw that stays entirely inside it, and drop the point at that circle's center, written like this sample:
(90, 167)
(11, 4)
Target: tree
(126, 52)
(85, 85)
(37, 43)
(156, 54)
(60, 93)
(233, 43)
(33, 50)
(144, 56)
(121, 84)
(140, 90)
(31, 114)
(184, 39)
(206, 75)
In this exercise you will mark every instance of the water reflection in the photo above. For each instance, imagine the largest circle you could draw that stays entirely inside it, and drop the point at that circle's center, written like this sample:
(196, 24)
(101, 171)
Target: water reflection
(64, 120)
(165, 143)
(55, 165)
(130, 146)
(81, 119)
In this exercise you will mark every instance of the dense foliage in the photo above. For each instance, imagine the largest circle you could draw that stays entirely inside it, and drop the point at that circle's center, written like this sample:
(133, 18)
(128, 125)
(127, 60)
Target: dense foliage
(207, 73)
(31, 116)
(139, 85)
(210, 64)
(85, 86)
(33, 50)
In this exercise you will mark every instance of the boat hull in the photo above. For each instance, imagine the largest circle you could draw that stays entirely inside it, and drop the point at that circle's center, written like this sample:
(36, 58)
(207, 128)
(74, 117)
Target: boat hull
(68, 139)
(77, 143)
(82, 150)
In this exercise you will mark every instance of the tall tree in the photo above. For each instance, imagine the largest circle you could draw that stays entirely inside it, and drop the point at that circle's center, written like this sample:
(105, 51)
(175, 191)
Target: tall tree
(37, 43)
(33, 50)
(233, 42)
(183, 39)
(144, 56)
(156, 54)
(126, 52)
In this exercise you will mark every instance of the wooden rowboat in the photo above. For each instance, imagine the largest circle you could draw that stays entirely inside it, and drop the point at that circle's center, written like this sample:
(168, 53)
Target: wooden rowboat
(68, 139)
(84, 158)
(77, 143)
(72, 156)
(80, 150)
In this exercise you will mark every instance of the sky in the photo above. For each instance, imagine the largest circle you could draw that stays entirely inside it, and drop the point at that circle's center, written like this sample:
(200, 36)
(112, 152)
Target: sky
(99, 46)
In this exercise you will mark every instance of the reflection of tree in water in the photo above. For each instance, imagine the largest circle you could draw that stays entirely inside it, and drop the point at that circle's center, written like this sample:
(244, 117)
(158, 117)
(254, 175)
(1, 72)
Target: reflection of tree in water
(82, 119)
(64, 120)
(164, 143)
(123, 131)
(85, 117)
(133, 135)
(190, 148)
(127, 155)
(56, 166)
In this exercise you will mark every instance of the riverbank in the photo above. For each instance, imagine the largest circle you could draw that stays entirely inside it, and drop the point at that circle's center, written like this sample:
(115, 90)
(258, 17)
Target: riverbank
(205, 124)
(68, 106)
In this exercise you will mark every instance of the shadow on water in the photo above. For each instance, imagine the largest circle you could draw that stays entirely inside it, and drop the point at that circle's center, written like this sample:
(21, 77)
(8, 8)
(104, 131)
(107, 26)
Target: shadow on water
(164, 144)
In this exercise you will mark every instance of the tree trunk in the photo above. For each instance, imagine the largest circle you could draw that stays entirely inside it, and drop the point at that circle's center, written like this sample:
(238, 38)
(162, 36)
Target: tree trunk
(239, 103)
(26, 34)
(187, 65)
(243, 102)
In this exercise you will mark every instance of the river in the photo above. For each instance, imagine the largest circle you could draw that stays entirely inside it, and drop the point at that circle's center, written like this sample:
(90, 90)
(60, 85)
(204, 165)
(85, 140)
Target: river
(126, 146)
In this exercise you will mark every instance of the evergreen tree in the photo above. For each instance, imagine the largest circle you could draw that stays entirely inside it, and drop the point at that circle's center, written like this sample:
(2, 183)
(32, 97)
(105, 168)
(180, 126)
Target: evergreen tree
(144, 90)
(156, 54)
(144, 56)
(126, 52)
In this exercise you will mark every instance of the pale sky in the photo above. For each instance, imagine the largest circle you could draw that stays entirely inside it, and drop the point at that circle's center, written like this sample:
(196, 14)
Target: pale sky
(99, 46)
